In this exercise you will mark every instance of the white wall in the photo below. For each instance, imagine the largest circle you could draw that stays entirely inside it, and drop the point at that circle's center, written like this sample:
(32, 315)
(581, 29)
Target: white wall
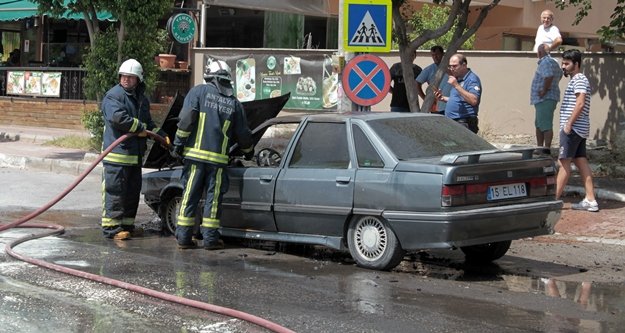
(506, 79)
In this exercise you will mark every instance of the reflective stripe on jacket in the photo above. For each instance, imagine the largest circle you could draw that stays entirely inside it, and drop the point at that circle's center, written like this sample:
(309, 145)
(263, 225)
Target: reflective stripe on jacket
(123, 113)
(210, 123)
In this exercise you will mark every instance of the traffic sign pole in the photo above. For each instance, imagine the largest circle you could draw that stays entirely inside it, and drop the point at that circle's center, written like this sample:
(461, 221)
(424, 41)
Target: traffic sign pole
(344, 103)
(364, 26)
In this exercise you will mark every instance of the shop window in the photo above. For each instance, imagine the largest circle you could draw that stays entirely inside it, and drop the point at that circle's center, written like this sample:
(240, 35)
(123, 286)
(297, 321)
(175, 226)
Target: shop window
(10, 42)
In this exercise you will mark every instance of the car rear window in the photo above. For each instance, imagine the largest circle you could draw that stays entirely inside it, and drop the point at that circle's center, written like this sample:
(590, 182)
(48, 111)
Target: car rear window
(421, 137)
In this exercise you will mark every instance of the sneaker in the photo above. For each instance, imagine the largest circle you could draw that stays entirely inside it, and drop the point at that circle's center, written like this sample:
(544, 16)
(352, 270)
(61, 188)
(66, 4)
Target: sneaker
(591, 206)
(217, 245)
(187, 246)
(122, 235)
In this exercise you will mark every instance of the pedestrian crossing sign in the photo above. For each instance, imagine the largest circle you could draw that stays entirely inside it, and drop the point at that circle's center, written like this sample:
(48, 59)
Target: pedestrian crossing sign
(367, 25)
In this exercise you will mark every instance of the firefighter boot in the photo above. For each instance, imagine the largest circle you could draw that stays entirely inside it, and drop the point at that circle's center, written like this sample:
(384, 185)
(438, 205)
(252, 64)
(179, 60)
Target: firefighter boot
(122, 235)
(211, 239)
(183, 236)
(134, 231)
(115, 233)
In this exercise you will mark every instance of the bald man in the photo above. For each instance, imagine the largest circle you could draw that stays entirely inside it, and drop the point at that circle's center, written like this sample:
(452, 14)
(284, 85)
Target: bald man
(547, 33)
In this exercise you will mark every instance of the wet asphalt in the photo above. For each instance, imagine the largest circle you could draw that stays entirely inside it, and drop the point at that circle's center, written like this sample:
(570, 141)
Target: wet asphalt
(306, 289)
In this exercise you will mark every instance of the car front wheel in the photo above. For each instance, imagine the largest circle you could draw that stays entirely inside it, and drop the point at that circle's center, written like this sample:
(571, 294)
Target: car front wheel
(486, 252)
(373, 244)
(169, 214)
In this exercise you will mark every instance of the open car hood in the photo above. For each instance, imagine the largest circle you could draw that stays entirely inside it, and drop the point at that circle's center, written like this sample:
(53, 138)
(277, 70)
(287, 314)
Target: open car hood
(257, 112)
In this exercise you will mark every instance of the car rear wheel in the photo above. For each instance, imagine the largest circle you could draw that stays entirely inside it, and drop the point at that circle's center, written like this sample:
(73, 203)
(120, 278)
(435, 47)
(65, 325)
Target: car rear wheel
(486, 252)
(169, 214)
(373, 244)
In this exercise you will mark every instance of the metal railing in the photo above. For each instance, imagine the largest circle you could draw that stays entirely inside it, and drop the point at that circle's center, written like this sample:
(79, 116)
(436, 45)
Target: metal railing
(72, 85)
(169, 82)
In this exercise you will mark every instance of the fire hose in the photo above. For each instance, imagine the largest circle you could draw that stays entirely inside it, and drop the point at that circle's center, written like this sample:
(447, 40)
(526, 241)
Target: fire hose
(57, 229)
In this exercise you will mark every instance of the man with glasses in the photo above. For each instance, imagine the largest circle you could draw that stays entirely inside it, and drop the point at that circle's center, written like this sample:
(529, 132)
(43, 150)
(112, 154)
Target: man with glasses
(464, 98)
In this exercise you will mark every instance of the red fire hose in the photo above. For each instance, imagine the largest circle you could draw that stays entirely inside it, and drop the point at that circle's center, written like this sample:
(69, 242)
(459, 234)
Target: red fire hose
(57, 229)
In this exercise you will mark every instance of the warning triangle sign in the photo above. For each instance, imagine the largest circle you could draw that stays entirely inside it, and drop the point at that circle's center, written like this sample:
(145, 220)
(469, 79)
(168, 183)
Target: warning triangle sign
(367, 33)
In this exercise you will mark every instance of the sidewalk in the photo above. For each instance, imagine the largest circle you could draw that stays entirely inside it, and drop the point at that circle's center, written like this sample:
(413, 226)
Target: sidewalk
(24, 147)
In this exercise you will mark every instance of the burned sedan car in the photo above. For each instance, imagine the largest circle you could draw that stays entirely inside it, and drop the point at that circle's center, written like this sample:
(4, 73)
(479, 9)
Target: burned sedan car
(379, 184)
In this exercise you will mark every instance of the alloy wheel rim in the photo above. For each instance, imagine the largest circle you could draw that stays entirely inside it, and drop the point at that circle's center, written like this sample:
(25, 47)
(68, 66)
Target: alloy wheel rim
(371, 238)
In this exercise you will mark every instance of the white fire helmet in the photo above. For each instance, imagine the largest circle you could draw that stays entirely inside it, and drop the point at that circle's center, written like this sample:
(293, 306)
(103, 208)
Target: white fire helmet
(131, 67)
(219, 71)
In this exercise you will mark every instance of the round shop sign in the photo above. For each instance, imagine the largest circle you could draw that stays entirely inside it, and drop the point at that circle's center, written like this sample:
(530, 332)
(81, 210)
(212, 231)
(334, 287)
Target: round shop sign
(181, 28)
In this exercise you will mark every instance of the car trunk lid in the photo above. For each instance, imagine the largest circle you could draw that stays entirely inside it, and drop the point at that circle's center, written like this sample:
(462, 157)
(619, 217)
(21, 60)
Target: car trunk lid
(491, 177)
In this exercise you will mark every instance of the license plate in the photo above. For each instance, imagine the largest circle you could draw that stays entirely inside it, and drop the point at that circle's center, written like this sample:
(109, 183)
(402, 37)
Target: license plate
(506, 191)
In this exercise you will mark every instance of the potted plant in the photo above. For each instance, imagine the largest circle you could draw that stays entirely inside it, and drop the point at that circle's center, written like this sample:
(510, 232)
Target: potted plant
(165, 58)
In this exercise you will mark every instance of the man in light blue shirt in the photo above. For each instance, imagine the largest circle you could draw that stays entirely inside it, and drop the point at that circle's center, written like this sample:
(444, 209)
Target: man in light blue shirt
(545, 94)
(427, 75)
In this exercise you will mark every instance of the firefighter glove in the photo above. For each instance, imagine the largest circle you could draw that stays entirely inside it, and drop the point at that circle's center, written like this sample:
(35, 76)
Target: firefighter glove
(167, 144)
(176, 151)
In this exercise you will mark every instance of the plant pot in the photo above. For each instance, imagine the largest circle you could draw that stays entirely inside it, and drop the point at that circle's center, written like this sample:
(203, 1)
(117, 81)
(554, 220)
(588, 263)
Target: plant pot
(166, 60)
(182, 64)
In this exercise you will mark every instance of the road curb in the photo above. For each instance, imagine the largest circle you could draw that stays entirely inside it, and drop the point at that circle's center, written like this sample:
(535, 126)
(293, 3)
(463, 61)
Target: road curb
(599, 193)
(47, 164)
(587, 239)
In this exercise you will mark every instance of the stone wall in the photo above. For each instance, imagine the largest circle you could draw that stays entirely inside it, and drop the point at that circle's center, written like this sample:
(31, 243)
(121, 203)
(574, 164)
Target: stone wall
(53, 112)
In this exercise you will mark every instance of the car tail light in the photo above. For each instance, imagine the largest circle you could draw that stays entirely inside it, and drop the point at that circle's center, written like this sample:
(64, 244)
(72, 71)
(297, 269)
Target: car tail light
(466, 194)
(542, 186)
(453, 195)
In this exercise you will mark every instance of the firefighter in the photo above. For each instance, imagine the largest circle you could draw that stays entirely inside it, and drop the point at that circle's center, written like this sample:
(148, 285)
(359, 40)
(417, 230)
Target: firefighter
(125, 109)
(211, 121)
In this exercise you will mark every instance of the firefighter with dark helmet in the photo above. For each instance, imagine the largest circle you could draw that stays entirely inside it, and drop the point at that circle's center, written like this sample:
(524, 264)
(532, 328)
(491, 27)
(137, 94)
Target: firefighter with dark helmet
(211, 121)
(125, 109)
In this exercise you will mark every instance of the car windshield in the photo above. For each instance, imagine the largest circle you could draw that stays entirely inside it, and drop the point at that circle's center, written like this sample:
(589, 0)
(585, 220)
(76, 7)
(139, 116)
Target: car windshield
(422, 137)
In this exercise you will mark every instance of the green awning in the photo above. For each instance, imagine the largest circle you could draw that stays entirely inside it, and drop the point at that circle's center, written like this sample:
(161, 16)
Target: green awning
(15, 10)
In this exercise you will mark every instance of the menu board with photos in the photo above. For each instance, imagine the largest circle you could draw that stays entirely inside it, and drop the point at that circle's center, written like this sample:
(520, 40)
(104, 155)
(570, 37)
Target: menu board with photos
(310, 79)
(34, 83)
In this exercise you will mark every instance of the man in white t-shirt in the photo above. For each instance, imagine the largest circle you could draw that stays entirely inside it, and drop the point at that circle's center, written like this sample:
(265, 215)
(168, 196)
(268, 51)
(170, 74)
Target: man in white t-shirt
(547, 33)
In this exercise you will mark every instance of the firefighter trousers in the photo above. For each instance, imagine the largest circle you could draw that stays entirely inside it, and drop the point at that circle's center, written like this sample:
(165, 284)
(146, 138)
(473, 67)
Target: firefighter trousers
(121, 187)
(201, 180)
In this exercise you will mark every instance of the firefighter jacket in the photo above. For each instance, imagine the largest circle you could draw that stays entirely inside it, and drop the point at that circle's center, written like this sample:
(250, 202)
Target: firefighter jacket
(210, 123)
(126, 112)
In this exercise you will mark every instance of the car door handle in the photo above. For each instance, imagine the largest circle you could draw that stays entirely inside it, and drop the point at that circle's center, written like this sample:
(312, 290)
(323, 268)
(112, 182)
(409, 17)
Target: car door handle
(266, 178)
(343, 180)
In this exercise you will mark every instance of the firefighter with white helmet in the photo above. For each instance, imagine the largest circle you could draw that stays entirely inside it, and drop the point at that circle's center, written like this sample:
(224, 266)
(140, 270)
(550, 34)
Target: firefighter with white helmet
(211, 121)
(131, 67)
(125, 109)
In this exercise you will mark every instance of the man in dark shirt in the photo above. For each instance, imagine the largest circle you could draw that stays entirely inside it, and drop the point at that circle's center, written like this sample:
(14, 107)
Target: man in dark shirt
(399, 100)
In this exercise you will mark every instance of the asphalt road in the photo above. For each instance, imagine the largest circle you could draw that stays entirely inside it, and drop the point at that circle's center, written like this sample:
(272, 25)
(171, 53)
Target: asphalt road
(544, 284)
